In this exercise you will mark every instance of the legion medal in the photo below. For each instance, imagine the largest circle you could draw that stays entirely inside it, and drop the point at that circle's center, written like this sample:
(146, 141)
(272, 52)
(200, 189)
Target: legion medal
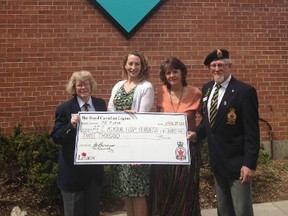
(231, 117)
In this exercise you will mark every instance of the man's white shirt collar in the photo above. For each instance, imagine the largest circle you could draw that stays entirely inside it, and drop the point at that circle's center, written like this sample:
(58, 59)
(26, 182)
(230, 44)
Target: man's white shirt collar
(225, 83)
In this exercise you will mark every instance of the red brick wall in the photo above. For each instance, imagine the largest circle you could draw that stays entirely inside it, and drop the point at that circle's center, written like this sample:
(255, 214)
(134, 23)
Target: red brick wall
(44, 41)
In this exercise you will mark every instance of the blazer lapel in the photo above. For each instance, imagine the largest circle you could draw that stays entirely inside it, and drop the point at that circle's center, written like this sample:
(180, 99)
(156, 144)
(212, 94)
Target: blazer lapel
(207, 91)
(95, 104)
(75, 108)
(225, 102)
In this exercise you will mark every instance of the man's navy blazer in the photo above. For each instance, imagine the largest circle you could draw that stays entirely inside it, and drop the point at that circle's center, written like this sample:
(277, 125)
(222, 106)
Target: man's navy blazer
(234, 139)
(72, 178)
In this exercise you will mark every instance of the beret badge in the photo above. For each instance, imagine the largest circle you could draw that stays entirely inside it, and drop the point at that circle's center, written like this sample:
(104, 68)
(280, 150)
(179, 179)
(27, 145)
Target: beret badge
(219, 53)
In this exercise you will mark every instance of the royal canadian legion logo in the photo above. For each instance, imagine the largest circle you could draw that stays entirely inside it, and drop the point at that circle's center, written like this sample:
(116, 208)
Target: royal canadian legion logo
(128, 15)
(180, 151)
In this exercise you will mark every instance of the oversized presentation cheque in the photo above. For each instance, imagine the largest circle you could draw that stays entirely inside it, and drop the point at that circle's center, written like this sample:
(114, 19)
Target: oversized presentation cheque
(140, 138)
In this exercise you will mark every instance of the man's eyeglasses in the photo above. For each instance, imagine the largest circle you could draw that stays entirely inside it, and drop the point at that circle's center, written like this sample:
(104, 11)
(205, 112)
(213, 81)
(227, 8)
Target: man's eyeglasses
(213, 66)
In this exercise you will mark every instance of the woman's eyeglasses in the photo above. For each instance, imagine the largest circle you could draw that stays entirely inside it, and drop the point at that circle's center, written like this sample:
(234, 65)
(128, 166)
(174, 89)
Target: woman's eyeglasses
(82, 85)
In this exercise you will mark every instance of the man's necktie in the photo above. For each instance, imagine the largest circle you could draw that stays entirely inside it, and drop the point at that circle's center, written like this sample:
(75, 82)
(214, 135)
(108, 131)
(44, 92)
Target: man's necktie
(86, 107)
(214, 103)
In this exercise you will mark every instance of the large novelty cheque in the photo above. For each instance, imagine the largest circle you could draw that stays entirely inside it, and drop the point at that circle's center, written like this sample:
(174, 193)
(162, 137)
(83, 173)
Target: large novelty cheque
(124, 138)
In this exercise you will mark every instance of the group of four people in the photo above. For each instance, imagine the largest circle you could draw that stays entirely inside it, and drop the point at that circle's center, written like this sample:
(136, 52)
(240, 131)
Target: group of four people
(166, 190)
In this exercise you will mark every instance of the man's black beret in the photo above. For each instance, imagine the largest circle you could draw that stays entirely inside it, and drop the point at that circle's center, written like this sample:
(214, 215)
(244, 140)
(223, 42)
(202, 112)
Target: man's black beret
(216, 55)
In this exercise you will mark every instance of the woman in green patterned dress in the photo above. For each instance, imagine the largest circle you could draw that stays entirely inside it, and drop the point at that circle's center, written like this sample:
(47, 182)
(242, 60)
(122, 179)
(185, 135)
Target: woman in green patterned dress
(133, 94)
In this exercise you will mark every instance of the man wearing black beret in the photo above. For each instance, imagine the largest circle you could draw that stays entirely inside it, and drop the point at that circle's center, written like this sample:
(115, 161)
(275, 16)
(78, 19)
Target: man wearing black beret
(230, 122)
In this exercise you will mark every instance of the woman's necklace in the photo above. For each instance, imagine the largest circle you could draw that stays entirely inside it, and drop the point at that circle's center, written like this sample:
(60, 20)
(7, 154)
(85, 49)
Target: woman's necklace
(178, 105)
(129, 86)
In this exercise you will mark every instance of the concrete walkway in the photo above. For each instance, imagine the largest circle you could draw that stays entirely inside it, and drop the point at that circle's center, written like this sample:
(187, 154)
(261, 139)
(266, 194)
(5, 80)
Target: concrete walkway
(279, 208)
(262, 209)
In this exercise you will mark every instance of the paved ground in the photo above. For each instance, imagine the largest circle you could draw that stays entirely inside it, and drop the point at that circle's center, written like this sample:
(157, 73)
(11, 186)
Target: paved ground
(263, 209)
